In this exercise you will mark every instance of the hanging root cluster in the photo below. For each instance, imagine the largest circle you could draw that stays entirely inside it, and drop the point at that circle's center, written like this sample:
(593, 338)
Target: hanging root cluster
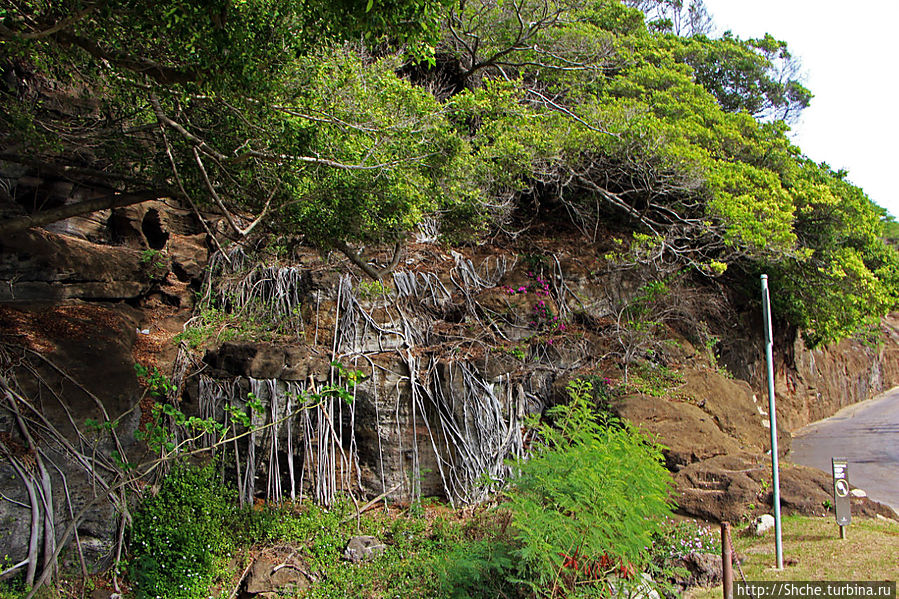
(45, 455)
(420, 423)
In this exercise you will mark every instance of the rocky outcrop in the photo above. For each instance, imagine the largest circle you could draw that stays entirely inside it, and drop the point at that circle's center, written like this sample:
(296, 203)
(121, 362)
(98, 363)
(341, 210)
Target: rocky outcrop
(80, 302)
(738, 486)
(37, 266)
(75, 363)
(811, 384)
(815, 384)
(450, 355)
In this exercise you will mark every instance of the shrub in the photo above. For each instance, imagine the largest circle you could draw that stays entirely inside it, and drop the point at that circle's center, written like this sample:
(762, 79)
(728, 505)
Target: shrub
(480, 569)
(589, 502)
(178, 537)
(483, 562)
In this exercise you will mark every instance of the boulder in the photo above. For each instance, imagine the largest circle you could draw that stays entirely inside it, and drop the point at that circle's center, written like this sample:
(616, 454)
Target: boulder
(274, 576)
(761, 525)
(704, 570)
(363, 548)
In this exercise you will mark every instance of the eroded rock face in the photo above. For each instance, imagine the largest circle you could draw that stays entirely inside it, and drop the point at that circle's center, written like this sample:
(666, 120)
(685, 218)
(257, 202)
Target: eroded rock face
(80, 303)
(690, 434)
(732, 487)
(452, 363)
(37, 266)
(815, 384)
(65, 347)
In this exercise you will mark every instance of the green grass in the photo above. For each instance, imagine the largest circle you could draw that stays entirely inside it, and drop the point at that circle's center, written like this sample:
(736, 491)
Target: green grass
(869, 552)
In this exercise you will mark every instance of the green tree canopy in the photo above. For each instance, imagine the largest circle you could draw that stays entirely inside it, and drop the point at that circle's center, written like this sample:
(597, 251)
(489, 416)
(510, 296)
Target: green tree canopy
(253, 107)
(495, 112)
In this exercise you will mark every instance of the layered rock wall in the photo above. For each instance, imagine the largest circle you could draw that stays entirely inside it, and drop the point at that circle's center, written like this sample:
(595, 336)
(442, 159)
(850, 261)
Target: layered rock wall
(454, 352)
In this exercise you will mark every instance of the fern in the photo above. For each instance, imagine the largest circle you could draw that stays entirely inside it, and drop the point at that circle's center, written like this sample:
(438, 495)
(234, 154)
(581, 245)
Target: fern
(588, 501)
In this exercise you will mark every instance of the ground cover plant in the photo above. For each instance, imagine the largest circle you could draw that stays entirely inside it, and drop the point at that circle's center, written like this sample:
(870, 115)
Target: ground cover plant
(813, 550)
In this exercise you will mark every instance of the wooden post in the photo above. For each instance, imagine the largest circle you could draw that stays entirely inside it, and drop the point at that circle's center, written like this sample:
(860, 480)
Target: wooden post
(727, 568)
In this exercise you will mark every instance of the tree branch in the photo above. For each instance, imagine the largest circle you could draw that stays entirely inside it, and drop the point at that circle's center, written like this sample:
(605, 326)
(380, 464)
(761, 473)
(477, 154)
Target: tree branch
(371, 271)
(45, 217)
(7, 33)
(159, 72)
(276, 158)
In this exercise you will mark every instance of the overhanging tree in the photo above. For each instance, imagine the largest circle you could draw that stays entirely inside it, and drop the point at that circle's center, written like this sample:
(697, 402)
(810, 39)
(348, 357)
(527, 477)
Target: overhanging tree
(248, 107)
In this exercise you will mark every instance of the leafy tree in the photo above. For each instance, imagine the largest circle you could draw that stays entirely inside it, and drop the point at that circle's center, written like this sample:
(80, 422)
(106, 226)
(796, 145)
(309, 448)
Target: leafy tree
(844, 275)
(758, 76)
(213, 103)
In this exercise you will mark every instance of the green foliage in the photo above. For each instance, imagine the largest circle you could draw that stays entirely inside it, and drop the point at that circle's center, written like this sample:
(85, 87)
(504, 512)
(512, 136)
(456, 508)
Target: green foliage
(518, 352)
(604, 393)
(371, 289)
(758, 76)
(178, 538)
(484, 568)
(653, 379)
(484, 564)
(158, 432)
(13, 588)
(410, 158)
(252, 322)
(592, 489)
(154, 264)
(328, 138)
(848, 276)
(158, 385)
(891, 231)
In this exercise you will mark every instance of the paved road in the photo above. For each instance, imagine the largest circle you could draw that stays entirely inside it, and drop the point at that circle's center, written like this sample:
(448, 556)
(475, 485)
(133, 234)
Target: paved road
(868, 435)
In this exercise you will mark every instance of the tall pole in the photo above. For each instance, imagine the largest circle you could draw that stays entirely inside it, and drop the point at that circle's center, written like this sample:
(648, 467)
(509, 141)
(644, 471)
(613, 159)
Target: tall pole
(727, 562)
(775, 469)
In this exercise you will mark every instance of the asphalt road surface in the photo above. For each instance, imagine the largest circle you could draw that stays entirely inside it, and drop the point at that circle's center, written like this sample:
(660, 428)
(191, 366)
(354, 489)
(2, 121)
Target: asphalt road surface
(867, 434)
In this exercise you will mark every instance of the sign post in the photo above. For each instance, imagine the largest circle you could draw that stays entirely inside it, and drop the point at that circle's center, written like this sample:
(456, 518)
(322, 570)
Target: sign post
(772, 415)
(841, 505)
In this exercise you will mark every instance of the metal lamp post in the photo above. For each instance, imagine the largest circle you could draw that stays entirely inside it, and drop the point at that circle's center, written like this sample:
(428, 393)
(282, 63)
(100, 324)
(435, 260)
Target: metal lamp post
(775, 470)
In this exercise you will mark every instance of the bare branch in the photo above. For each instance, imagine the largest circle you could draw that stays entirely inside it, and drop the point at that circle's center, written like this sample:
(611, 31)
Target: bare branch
(115, 200)
(374, 273)
(9, 34)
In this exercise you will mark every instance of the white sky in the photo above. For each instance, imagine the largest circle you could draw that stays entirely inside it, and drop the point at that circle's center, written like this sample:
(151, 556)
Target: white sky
(850, 57)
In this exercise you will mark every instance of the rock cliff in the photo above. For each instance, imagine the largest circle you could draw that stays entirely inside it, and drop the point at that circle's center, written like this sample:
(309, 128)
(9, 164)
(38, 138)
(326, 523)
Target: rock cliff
(453, 353)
